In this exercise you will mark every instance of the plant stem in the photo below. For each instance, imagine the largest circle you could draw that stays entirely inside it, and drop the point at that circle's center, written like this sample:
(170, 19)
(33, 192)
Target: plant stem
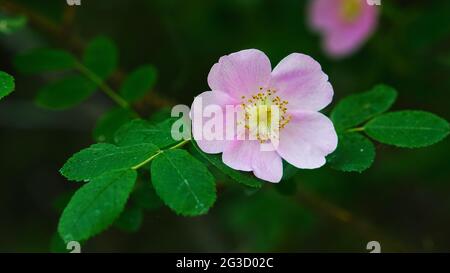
(102, 85)
(71, 41)
(147, 160)
(309, 199)
(357, 129)
(178, 145)
(43, 24)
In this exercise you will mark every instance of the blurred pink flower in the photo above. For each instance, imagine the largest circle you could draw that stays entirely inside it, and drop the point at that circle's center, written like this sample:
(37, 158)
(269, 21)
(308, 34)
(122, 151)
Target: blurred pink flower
(344, 24)
(297, 87)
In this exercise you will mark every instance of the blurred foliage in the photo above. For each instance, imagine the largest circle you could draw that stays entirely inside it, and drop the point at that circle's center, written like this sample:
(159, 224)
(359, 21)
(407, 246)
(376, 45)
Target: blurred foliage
(6, 84)
(403, 196)
(10, 24)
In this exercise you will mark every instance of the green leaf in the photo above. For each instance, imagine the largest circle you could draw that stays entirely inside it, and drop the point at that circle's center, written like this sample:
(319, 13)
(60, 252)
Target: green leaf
(245, 178)
(7, 84)
(409, 129)
(110, 122)
(57, 245)
(62, 200)
(141, 131)
(288, 170)
(355, 153)
(130, 220)
(102, 158)
(286, 187)
(65, 93)
(138, 83)
(355, 109)
(160, 115)
(183, 183)
(96, 205)
(44, 60)
(11, 24)
(145, 197)
(101, 57)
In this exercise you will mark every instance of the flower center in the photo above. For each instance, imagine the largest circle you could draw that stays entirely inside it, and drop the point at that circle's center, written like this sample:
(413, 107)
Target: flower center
(264, 114)
(350, 9)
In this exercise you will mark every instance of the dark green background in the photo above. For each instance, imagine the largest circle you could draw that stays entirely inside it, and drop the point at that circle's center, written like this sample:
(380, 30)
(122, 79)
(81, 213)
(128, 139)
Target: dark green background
(402, 201)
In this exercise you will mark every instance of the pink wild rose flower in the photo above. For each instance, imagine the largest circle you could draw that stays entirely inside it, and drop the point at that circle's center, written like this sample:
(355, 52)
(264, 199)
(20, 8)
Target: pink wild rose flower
(297, 89)
(344, 24)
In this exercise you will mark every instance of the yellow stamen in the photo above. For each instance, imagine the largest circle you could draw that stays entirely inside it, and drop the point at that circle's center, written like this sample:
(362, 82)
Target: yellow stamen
(350, 9)
(258, 115)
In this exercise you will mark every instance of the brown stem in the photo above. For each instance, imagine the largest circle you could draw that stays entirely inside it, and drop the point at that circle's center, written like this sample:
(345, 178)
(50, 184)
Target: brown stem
(44, 25)
(74, 42)
(69, 15)
(345, 217)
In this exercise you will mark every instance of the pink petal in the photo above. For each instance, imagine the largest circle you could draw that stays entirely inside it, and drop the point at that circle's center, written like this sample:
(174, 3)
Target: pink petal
(342, 37)
(307, 139)
(299, 79)
(238, 154)
(268, 166)
(241, 73)
(209, 98)
(323, 14)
